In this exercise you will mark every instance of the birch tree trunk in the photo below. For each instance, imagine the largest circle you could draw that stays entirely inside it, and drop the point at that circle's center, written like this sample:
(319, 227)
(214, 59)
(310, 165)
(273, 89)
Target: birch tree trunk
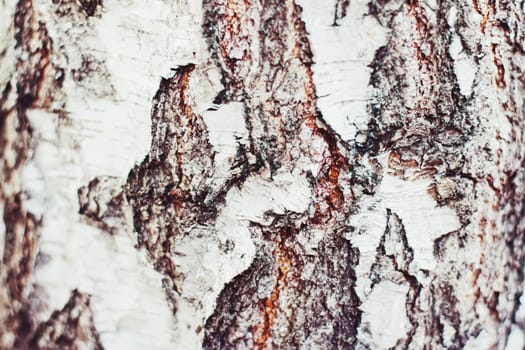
(268, 174)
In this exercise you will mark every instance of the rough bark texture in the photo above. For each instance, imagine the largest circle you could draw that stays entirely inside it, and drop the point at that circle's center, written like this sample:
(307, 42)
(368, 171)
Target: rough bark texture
(342, 175)
(34, 83)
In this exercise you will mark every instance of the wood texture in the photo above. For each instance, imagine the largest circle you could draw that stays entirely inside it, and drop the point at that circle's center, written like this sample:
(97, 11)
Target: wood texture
(262, 174)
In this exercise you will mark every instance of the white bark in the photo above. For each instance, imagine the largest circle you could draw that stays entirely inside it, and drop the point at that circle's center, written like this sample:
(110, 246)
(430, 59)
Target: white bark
(244, 174)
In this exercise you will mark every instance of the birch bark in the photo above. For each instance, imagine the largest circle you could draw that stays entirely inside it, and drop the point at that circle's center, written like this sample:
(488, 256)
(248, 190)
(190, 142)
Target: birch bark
(262, 174)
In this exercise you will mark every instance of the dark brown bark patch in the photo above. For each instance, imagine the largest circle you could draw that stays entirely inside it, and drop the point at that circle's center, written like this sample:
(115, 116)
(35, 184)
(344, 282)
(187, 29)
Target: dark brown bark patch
(169, 190)
(38, 85)
(297, 307)
(70, 328)
(90, 6)
(285, 298)
(32, 38)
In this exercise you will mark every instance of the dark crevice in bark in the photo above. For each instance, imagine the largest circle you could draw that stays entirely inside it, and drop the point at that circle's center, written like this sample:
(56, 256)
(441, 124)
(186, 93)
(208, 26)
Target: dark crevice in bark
(393, 259)
(414, 129)
(32, 38)
(169, 189)
(237, 299)
(388, 253)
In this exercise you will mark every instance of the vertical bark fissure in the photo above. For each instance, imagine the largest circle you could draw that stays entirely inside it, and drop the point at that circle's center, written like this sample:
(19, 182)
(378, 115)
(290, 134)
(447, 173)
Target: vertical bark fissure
(424, 119)
(35, 83)
(274, 40)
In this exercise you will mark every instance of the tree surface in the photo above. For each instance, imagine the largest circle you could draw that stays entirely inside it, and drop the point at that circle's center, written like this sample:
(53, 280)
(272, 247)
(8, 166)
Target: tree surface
(262, 174)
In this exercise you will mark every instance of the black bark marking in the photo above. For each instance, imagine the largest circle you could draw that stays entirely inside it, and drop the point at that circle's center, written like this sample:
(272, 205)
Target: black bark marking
(90, 6)
(341, 7)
